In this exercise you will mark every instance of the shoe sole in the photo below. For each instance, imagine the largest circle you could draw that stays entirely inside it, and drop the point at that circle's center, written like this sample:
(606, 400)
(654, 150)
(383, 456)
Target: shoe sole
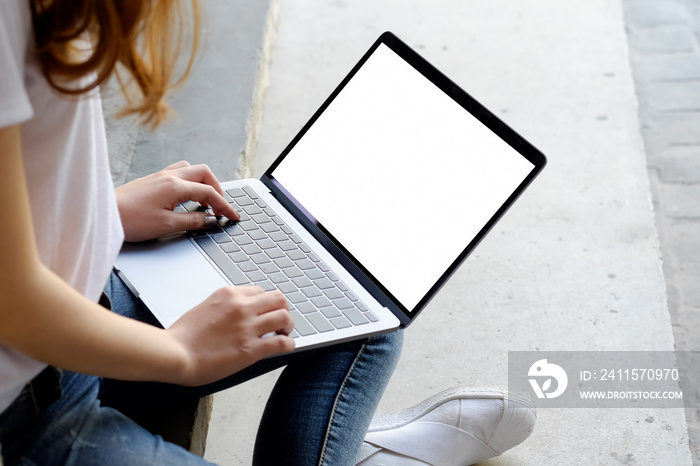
(403, 417)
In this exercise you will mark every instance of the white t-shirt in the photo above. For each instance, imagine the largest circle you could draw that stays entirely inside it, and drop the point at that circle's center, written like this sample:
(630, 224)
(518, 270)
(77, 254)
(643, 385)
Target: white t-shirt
(77, 228)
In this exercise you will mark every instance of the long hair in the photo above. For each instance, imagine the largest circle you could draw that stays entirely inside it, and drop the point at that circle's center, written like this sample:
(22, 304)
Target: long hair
(140, 37)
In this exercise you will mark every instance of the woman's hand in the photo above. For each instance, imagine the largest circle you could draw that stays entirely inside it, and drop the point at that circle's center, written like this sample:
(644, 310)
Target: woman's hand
(146, 204)
(224, 334)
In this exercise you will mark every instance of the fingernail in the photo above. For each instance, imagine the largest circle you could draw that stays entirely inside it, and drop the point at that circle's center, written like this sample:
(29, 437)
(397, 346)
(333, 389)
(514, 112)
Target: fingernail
(209, 221)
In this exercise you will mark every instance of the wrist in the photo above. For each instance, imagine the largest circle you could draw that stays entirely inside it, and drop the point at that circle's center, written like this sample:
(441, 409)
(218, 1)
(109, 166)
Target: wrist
(178, 364)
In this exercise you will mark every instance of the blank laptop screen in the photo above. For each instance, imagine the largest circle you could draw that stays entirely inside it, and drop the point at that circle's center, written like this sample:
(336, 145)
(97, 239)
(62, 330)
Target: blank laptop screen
(402, 176)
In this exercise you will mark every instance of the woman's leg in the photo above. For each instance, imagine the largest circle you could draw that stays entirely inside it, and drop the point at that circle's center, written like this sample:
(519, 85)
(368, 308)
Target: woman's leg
(319, 410)
(75, 430)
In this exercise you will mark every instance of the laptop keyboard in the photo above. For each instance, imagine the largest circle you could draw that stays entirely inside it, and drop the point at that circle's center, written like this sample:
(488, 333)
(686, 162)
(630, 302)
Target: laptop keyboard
(261, 249)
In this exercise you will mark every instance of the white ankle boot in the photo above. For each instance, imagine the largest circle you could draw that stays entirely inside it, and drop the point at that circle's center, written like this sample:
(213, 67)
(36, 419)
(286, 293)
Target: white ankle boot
(457, 427)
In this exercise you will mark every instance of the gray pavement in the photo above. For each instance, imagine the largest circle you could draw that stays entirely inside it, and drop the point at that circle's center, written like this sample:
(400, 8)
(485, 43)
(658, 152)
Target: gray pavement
(215, 111)
(575, 265)
(665, 53)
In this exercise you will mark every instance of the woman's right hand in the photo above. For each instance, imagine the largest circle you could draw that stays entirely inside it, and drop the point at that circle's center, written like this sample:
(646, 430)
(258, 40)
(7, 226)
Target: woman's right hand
(224, 334)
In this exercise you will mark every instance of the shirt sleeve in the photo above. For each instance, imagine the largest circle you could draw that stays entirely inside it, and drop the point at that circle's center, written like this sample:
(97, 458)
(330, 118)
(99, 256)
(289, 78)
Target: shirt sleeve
(15, 37)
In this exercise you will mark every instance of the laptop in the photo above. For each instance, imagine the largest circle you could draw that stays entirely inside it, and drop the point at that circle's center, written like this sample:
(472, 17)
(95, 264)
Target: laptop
(363, 217)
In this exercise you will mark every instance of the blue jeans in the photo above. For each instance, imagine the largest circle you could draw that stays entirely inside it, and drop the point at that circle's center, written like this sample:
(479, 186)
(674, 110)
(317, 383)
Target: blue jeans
(317, 413)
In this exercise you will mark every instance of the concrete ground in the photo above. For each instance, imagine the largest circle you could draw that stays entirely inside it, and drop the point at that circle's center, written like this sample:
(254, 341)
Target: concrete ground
(665, 53)
(575, 265)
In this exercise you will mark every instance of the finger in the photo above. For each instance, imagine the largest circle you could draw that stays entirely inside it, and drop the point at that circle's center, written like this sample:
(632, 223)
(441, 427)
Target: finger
(287, 322)
(270, 301)
(276, 344)
(279, 321)
(205, 194)
(181, 221)
(200, 174)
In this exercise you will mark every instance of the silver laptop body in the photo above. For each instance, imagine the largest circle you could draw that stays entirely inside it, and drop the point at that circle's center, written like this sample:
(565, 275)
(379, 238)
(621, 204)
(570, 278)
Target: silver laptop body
(351, 222)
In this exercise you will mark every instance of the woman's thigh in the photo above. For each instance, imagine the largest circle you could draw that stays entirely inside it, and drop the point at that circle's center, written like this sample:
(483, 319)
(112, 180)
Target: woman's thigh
(320, 408)
(76, 430)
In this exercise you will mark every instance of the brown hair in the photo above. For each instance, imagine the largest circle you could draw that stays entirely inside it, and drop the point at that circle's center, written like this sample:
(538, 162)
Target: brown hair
(143, 36)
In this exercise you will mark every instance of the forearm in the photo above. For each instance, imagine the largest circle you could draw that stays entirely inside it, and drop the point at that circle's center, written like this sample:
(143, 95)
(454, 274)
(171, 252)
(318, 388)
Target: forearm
(43, 317)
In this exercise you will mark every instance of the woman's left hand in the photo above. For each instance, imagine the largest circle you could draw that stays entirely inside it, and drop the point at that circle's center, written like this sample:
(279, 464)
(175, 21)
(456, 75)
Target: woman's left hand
(146, 204)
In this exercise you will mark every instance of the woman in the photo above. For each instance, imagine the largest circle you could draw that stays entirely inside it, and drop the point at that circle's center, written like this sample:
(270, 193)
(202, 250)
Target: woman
(61, 234)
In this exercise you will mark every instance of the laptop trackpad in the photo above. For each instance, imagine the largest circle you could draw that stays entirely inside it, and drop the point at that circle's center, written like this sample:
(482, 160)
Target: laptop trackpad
(172, 272)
